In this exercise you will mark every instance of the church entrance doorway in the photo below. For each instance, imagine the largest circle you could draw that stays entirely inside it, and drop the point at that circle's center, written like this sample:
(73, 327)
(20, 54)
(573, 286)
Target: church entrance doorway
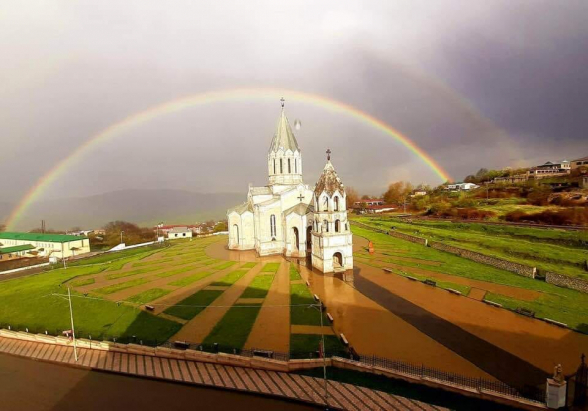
(295, 239)
(337, 260)
(309, 238)
(235, 234)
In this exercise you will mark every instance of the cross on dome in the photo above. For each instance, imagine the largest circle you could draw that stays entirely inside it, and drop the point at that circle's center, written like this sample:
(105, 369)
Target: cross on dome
(328, 154)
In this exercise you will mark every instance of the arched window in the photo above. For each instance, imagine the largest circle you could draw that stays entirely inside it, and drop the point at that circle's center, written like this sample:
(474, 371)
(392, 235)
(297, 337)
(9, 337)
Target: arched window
(296, 166)
(337, 226)
(346, 227)
(289, 167)
(281, 167)
(326, 226)
(336, 201)
(274, 166)
(273, 225)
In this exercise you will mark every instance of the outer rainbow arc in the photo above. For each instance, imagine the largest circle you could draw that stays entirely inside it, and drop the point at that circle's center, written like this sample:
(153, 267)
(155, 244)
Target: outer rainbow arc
(206, 98)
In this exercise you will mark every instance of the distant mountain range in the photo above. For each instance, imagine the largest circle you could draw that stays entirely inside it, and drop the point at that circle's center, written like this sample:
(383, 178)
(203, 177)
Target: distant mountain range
(143, 207)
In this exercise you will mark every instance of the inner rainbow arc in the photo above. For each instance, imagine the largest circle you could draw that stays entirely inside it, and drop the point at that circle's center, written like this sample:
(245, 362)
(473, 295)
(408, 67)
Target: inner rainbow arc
(207, 98)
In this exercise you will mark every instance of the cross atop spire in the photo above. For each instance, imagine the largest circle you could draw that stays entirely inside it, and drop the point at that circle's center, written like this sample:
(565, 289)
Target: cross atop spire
(328, 154)
(282, 100)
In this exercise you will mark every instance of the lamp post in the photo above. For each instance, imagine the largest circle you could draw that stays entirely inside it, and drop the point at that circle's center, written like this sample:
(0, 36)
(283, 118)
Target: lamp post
(121, 236)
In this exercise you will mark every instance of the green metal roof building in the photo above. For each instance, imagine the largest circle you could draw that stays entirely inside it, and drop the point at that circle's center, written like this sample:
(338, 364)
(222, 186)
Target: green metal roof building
(47, 245)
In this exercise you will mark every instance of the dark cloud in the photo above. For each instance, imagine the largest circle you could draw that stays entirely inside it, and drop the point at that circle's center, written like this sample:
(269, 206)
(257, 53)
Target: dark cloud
(473, 85)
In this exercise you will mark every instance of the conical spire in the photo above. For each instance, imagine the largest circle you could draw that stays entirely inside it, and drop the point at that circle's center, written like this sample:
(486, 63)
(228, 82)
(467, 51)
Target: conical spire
(329, 181)
(284, 137)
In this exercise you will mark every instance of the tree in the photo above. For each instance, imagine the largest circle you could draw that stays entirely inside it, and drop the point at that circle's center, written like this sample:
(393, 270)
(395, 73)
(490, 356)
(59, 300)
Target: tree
(397, 192)
(352, 197)
(365, 197)
(2, 227)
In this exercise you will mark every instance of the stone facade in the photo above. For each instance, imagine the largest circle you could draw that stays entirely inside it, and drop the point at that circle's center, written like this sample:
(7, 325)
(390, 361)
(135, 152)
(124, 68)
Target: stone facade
(516, 268)
(566, 281)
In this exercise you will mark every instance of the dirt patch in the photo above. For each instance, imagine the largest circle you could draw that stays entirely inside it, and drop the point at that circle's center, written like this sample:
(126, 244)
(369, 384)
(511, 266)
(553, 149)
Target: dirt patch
(272, 327)
(477, 294)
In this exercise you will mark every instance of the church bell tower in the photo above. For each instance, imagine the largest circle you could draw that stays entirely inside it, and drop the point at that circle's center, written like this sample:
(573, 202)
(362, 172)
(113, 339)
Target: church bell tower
(284, 160)
(332, 241)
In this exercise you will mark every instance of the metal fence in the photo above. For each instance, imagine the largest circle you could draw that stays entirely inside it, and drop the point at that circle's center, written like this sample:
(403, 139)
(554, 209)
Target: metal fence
(421, 371)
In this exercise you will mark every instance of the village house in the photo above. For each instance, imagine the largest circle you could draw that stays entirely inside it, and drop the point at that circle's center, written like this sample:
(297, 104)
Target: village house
(47, 245)
(177, 233)
(579, 162)
(461, 186)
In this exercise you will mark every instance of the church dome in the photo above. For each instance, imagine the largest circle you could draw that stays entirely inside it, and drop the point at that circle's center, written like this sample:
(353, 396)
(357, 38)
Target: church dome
(329, 181)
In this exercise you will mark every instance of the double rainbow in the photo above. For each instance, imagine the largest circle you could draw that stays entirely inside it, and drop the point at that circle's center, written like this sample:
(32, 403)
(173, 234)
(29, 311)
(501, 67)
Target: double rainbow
(208, 98)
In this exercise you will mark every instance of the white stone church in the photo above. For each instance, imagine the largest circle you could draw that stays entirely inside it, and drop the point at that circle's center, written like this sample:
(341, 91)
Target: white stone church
(287, 217)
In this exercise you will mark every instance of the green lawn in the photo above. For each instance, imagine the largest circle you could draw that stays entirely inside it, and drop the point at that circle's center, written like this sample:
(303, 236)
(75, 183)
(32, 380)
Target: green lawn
(83, 281)
(270, 268)
(301, 312)
(170, 273)
(294, 274)
(148, 296)
(557, 303)
(148, 263)
(560, 251)
(224, 265)
(190, 307)
(190, 279)
(111, 289)
(259, 286)
(234, 328)
(307, 346)
(27, 302)
(230, 278)
(132, 272)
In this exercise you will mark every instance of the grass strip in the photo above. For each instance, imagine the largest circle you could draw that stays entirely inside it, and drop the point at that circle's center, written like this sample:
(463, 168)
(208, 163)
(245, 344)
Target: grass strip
(190, 279)
(303, 314)
(259, 287)
(166, 274)
(148, 296)
(249, 265)
(82, 282)
(190, 307)
(132, 272)
(224, 265)
(270, 268)
(234, 328)
(230, 278)
(148, 263)
(307, 346)
(111, 289)
(294, 273)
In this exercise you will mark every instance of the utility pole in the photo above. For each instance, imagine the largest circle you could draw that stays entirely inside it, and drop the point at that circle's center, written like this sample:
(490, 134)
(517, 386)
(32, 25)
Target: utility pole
(324, 353)
(121, 234)
(73, 331)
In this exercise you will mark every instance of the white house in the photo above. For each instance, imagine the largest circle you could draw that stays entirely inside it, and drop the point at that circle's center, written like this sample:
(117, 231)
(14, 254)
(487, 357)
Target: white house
(177, 233)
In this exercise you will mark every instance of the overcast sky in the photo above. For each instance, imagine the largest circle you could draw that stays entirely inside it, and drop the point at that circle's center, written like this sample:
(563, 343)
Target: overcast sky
(475, 84)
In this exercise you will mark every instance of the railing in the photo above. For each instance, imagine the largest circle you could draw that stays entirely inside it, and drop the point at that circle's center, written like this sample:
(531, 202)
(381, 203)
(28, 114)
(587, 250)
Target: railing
(480, 384)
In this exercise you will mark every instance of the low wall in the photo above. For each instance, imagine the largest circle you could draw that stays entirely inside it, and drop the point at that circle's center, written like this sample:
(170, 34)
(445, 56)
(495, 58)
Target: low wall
(368, 227)
(567, 282)
(408, 237)
(516, 268)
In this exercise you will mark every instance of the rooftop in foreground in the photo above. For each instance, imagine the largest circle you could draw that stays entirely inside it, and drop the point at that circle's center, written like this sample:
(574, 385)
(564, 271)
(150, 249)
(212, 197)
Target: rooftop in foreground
(52, 238)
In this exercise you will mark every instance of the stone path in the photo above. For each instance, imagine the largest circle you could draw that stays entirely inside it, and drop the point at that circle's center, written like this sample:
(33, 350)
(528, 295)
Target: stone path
(272, 327)
(296, 387)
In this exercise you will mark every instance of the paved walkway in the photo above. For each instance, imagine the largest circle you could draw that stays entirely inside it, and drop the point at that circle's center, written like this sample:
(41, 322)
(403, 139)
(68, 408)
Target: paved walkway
(293, 386)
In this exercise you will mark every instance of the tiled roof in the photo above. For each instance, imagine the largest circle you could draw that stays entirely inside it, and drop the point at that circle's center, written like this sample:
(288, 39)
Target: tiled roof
(329, 181)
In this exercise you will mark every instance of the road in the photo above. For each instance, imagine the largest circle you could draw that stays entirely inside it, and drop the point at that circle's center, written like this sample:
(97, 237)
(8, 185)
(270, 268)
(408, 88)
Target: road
(28, 385)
